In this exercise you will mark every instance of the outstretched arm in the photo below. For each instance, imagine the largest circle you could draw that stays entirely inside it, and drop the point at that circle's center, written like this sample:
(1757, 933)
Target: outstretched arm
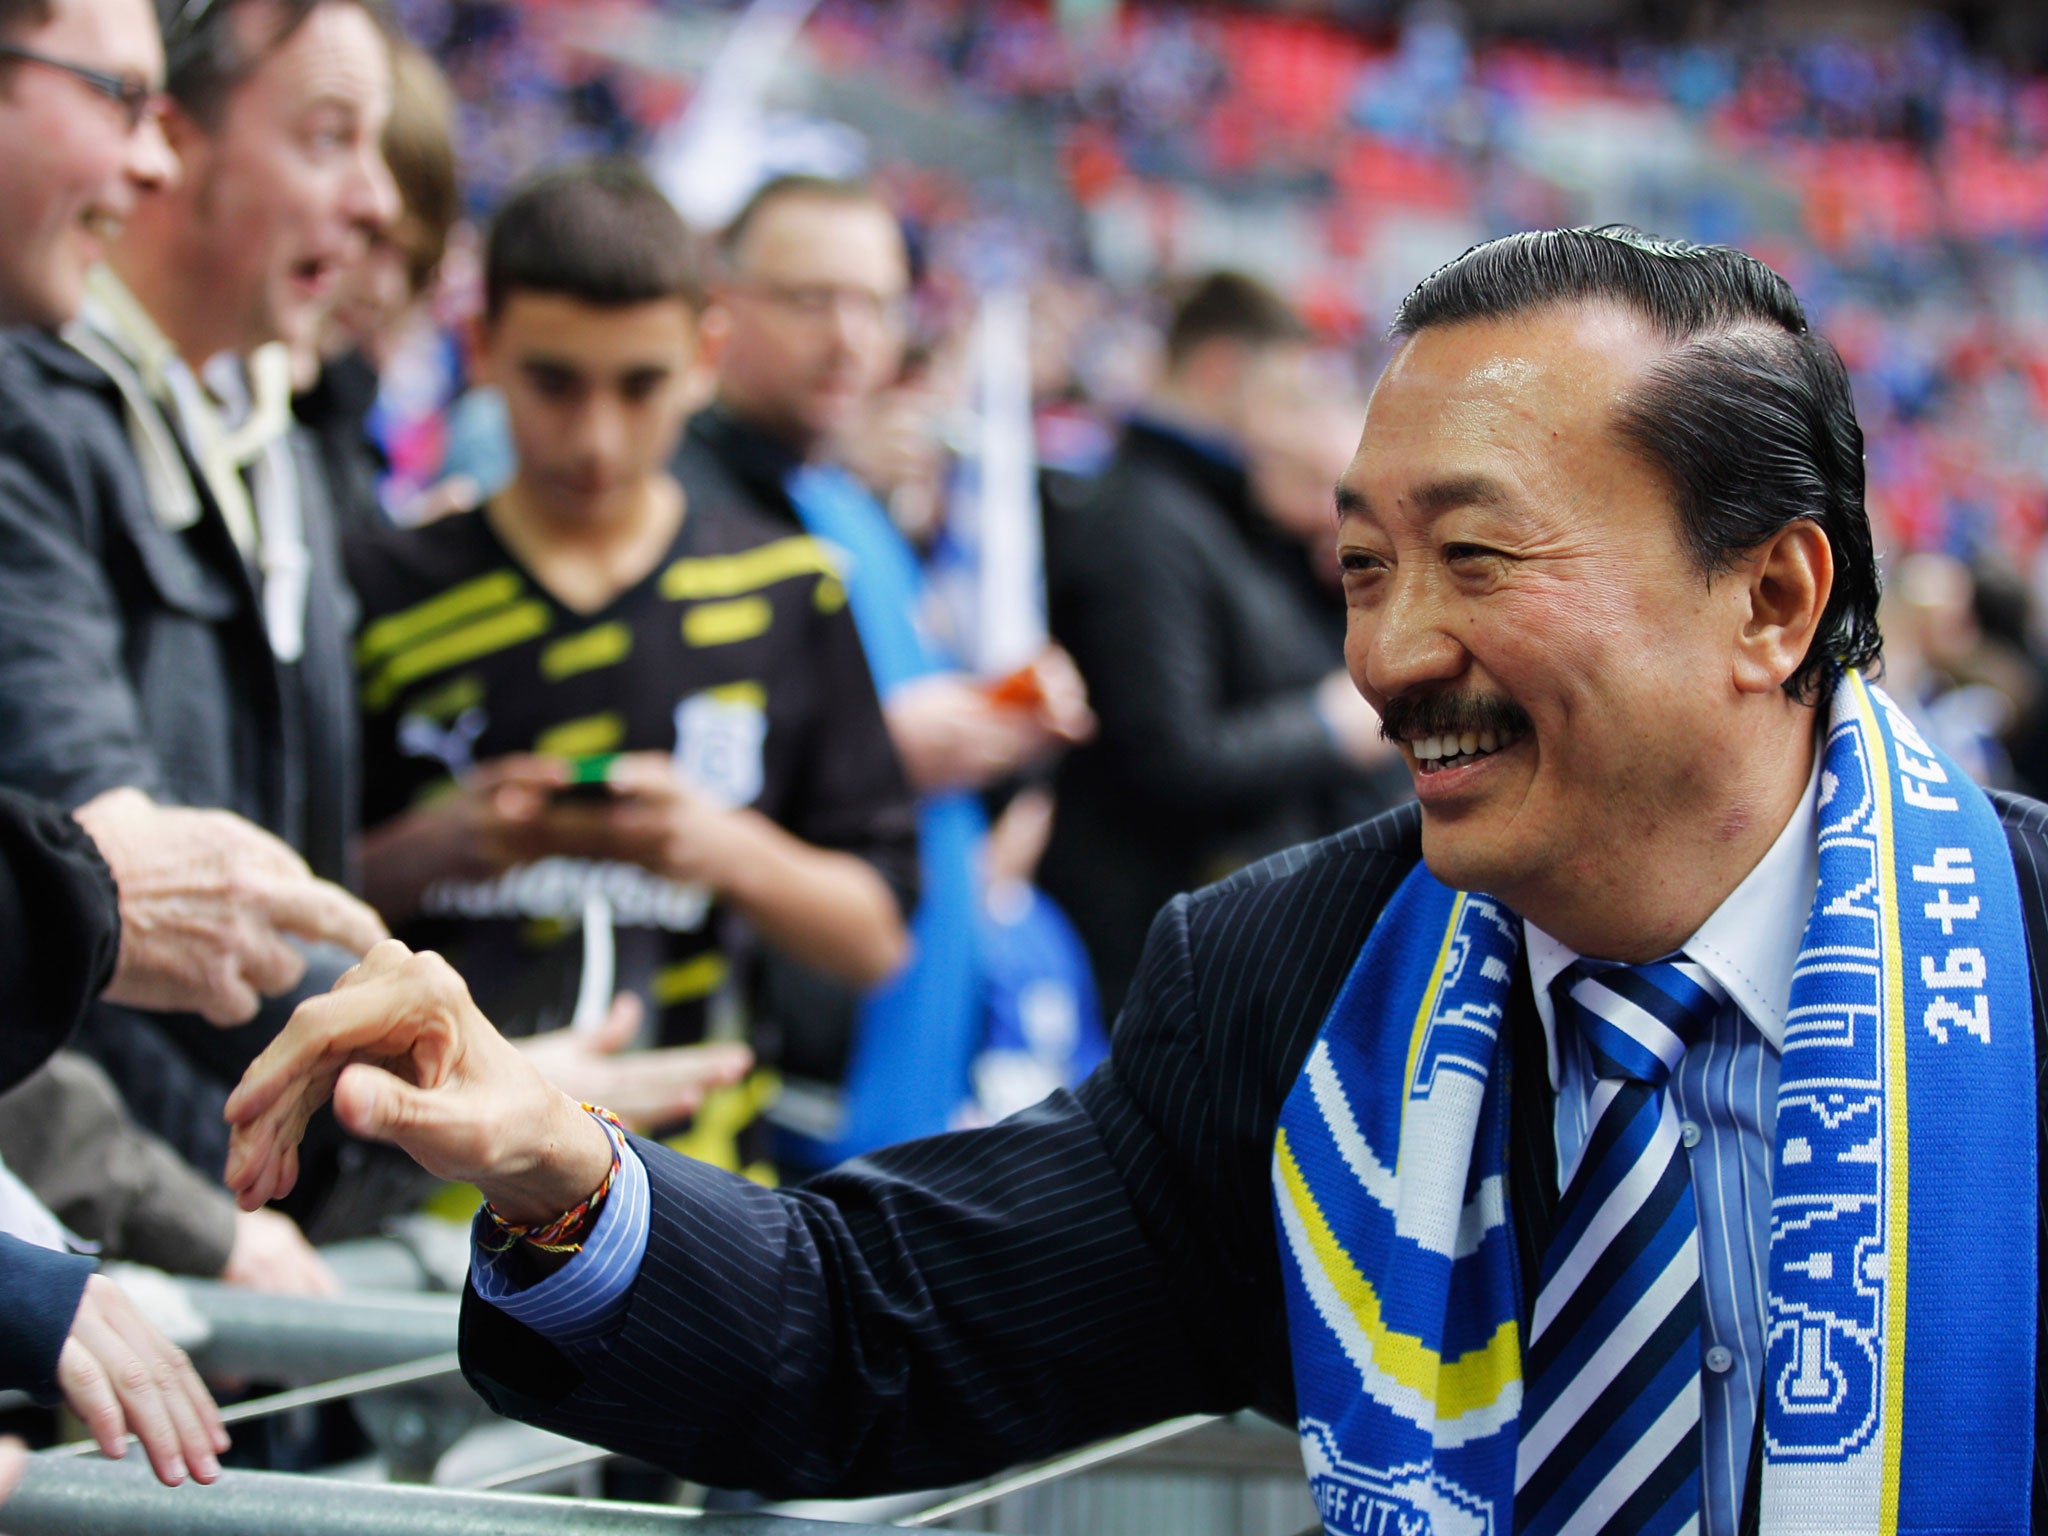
(933, 1312)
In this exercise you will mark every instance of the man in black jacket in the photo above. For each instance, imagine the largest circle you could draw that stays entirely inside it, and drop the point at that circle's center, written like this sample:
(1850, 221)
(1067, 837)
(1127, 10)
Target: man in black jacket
(1228, 727)
(173, 625)
(204, 900)
(1606, 563)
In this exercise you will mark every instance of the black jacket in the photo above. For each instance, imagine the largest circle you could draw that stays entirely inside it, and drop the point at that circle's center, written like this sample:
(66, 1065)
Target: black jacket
(131, 654)
(60, 931)
(1202, 638)
(949, 1307)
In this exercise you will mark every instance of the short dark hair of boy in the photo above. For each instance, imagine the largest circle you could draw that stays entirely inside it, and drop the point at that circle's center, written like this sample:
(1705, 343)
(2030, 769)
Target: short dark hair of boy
(599, 232)
(1229, 306)
(795, 187)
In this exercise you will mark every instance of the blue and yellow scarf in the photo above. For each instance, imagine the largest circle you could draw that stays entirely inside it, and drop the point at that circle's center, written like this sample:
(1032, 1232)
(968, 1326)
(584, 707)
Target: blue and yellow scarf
(1899, 1376)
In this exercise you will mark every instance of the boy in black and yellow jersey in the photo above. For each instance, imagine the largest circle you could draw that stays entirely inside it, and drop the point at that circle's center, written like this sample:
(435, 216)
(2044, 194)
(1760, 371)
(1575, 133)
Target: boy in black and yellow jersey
(589, 706)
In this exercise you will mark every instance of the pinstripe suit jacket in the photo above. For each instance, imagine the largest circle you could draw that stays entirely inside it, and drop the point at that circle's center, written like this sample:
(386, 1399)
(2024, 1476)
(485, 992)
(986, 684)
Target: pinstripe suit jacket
(953, 1306)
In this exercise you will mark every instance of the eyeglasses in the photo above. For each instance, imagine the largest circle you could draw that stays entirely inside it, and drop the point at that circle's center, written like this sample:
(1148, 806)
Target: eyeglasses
(817, 302)
(136, 99)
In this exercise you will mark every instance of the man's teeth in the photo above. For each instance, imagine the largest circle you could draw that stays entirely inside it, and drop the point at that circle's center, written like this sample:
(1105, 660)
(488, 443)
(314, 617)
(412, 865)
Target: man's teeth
(1436, 749)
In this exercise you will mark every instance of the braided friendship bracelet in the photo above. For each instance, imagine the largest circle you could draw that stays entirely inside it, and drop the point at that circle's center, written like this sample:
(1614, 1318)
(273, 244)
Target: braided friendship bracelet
(565, 1234)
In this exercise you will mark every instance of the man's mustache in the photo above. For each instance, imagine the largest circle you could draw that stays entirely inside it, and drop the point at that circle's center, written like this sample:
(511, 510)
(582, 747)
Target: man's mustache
(1412, 716)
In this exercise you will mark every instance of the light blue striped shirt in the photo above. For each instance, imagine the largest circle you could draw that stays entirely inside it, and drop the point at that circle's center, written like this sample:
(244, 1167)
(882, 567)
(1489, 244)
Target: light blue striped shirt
(577, 1305)
(1726, 1095)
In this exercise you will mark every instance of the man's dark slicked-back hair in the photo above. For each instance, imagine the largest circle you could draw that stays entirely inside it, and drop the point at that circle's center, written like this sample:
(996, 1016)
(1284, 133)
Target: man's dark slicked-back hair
(599, 232)
(1230, 306)
(1749, 415)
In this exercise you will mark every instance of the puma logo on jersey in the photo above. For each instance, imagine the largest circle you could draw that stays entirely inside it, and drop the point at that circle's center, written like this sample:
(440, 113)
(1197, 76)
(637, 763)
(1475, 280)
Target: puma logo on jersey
(453, 746)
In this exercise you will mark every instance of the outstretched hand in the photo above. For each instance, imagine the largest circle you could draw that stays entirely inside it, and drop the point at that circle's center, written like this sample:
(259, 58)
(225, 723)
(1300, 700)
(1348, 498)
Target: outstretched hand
(122, 1377)
(646, 1089)
(208, 904)
(409, 1059)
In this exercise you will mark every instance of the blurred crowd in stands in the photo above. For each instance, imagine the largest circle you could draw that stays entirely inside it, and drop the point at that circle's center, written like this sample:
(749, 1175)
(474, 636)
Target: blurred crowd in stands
(699, 747)
(1899, 180)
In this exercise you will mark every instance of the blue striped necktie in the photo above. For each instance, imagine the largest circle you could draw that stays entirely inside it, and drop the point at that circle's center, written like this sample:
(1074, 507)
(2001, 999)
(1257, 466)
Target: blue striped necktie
(1611, 1409)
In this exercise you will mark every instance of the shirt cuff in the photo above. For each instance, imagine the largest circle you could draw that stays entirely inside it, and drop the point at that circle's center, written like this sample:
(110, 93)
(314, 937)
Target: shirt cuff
(579, 1302)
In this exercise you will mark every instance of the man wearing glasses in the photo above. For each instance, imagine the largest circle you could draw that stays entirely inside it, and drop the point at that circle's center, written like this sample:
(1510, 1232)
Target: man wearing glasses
(79, 86)
(171, 621)
(206, 899)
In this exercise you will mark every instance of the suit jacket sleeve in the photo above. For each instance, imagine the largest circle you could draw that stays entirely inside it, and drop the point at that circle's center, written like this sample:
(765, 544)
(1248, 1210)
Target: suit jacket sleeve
(932, 1313)
(40, 1289)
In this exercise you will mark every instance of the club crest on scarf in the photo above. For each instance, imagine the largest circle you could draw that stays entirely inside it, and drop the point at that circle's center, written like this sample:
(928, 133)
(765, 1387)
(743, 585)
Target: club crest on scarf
(1389, 1162)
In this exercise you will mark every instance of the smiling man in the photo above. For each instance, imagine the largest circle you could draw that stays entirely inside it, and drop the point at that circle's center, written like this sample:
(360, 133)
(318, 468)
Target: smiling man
(173, 623)
(1638, 1134)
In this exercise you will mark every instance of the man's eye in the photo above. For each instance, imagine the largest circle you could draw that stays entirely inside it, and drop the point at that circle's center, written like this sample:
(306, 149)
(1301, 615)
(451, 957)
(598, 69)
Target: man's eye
(1359, 562)
(1457, 552)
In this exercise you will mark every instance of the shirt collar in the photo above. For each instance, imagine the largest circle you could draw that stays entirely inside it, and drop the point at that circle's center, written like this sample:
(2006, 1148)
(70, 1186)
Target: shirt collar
(1750, 943)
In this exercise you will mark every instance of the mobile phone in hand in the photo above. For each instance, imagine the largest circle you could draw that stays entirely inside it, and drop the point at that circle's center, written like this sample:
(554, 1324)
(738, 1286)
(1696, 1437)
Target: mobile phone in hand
(589, 781)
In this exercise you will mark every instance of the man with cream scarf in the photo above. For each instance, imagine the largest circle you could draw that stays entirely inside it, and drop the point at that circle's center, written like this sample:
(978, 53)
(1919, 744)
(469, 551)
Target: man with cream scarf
(174, 628)
(1638, 1134)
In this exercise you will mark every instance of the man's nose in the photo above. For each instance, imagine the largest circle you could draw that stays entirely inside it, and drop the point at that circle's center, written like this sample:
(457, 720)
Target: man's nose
(602, 433)
(1407, 643)
(152, 164)
(374, 203)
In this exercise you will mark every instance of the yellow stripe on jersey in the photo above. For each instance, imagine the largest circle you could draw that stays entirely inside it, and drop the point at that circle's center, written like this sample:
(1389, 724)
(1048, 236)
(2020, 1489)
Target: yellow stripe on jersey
(727, 623)
(829, 596)
(450, 699)
(603, 646)
(507, 627)
(749, 693)
(714, 1133)
(395, 632)
(703, 576)
(582, 738)
(688, 980)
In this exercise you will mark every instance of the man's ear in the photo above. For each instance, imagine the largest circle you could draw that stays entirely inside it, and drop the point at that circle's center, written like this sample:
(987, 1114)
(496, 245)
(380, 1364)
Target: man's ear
(1785, 584)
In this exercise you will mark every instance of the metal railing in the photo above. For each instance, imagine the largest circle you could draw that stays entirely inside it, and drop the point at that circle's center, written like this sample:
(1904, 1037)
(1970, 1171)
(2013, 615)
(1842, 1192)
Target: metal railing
(389, 1353)
(63, 1496)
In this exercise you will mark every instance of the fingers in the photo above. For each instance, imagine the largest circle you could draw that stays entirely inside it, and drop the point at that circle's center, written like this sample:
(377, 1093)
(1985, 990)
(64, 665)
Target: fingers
(525, 769)
(394, 1006)
(271, 1254)
(651, 774)
(90, 1395)
(225, 999)
(13, 1462)
(621, 1024)
(374, 1104)
(658, 1087)
(121, 1376)
(323, 912)
(269, 965)
(361, 1012)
